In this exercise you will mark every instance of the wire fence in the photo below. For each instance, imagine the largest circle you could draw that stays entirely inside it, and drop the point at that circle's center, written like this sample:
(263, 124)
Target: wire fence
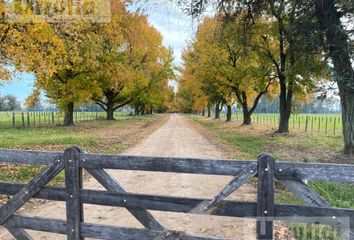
(327, 124)
(41, 119)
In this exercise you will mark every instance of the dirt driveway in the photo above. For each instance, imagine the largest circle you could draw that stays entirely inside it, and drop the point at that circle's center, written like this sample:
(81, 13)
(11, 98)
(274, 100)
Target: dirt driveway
(176, 138)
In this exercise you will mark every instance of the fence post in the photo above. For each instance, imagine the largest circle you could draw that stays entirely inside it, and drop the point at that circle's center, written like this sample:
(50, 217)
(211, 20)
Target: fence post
(28, 120)
(23, 119)
(326, 129)
(307, 123)
(265, 196)
(13, 119)
(335, 125)
(73, 184)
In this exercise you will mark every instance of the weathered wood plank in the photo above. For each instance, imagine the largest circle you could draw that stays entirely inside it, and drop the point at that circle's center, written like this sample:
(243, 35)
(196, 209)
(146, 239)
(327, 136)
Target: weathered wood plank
(315, 171)
(73, 185)
(178, 165)
(304, 193)
(92, 230)
(183, 205)
(19, 233)
(265, 196)
(29, 190)
(143, 216)
(325, 172)
(28, 157)
(48, 193)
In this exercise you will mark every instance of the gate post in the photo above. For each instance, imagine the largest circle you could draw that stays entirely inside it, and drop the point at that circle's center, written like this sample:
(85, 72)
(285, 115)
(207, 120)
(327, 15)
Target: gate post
(73, 184)
(265, 198)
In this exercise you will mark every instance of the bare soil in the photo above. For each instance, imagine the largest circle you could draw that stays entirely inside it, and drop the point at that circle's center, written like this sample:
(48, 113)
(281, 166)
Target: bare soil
(176, 138)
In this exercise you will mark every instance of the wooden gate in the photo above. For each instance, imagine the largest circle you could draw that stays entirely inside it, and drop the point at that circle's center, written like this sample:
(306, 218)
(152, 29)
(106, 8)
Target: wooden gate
(73, 161)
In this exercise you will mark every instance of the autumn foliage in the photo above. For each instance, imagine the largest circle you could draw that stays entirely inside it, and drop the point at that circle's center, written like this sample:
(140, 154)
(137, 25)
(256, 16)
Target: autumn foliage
(84, 57)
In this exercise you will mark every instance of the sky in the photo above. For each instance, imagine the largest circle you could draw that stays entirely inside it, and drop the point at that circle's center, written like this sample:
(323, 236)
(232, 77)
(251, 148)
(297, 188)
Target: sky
(176, 28)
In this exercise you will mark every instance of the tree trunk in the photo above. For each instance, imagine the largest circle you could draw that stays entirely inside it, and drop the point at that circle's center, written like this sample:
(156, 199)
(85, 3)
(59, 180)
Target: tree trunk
(286, 94)
(338, 50)
(285, 112)
(229, 113)
(217, 110)
(246, 117)
(203, 112)
(347, 101)
(209, 111)
(136, 110)
(69, 114)
(284, 123)
(110, 111)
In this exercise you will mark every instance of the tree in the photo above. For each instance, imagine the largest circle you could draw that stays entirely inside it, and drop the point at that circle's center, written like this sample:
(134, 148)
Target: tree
(9, 103)
(336, 42)
(299, 66)
(150, 96)
(72, 83)
(25, 46)
(131, 61)
(227, 68)
(190, 94)
(249, 76)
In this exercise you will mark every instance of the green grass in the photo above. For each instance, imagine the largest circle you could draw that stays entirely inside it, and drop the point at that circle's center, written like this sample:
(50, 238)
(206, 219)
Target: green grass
(323, 124)
(29, 138)
(250, 141)
(36, 119)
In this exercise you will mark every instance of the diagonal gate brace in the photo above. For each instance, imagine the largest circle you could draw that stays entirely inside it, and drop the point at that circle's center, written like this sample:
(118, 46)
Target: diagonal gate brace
(142, 215)
(18, 233)
(207, 207)
(26, 193)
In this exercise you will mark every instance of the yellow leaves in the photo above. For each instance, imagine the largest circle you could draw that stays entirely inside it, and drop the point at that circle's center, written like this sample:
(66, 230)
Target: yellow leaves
(33, 99)
(78, 61)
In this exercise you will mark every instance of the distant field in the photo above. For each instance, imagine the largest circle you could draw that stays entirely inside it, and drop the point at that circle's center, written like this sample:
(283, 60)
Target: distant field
(36, 119)
(328, 124)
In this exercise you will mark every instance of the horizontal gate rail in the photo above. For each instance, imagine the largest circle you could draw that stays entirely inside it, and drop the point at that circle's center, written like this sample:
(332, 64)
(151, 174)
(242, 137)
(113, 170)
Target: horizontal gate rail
(264, 211)
(283, 170)
(91, 230)
(184, 205)
(143, 216)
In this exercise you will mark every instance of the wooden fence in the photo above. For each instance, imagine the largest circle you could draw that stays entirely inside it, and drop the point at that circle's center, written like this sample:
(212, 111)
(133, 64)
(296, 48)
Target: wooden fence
(73, 161)
(325, 124)
(40, 119)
